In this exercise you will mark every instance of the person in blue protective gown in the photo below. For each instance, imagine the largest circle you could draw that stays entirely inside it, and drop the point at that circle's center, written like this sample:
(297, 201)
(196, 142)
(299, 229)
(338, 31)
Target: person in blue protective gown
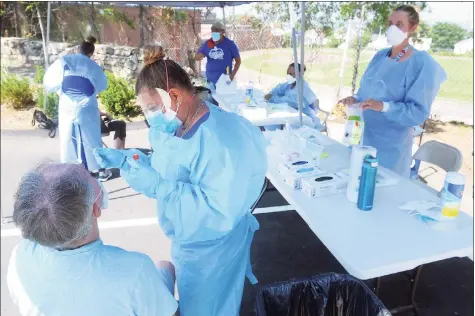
(287, 93)
(206, 171)
(78, 79)
(396, 92)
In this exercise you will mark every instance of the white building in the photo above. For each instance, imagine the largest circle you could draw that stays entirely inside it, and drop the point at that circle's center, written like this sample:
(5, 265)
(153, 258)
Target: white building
(463, 47)
(422, 44)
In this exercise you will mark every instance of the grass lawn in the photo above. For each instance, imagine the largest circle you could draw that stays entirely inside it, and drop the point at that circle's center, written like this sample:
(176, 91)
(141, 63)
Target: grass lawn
(325, 69)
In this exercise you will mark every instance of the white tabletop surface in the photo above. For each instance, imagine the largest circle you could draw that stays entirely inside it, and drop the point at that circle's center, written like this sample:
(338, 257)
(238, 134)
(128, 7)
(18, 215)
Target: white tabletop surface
(276, 115)
(379, 242)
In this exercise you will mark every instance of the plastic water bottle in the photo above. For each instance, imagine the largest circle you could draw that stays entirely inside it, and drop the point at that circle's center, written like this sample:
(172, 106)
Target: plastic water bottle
(367, 183)
(249, 92)
(452, 194)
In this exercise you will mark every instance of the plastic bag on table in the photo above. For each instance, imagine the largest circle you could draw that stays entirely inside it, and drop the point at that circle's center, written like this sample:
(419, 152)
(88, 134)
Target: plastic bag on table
(322, 295)
(225, 88)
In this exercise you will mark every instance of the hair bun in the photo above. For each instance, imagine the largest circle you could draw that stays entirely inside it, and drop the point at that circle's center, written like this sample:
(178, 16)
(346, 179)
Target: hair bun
(91, 39)
(152, 54)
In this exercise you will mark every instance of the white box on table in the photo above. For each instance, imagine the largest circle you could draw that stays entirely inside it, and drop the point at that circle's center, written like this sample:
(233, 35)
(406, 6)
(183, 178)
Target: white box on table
(294, 177)
(324, 184)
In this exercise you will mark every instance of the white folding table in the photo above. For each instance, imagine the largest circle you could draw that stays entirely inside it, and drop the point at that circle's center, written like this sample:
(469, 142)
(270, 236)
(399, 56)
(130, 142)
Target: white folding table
(280, 116)
(379, 242)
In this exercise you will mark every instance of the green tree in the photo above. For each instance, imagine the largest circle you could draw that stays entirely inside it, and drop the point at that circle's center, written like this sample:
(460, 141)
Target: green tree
(445, 35)
(423, 31)
(318, 15)
(376, 13)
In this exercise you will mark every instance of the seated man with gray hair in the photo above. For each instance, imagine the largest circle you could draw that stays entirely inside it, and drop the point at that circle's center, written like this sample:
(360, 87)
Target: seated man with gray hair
(61, 267)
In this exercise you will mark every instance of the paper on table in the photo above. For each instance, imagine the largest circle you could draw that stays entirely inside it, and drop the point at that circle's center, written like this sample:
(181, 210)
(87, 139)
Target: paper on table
(430, 213)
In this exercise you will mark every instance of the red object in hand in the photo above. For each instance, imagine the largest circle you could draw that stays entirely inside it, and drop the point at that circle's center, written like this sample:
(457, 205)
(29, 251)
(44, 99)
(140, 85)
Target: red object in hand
(136, 157)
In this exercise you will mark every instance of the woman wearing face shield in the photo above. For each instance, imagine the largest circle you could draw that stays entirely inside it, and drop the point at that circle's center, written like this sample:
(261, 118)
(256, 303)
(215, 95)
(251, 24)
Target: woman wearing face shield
(396, 92)
(287, 93)
(207, 169)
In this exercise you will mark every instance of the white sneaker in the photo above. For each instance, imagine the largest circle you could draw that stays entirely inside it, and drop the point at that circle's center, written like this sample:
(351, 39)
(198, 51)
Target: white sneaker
(104, 175)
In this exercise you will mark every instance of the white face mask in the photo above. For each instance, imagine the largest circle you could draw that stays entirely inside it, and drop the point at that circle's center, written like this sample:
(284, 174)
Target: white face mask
(290, 79)
(395, 36)
(105, 196)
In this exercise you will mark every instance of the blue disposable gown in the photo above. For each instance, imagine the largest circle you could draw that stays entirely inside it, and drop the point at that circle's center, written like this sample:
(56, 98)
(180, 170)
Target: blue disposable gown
(409, 87)
(204, 192)
(284, 93)
(79, 79)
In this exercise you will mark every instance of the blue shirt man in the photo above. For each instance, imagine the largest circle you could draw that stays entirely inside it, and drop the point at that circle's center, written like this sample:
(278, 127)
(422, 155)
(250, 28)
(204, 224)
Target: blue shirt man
(63, 268)
(220, 52)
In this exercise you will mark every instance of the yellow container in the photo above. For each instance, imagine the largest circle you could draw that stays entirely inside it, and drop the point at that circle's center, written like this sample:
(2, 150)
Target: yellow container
(452, 194)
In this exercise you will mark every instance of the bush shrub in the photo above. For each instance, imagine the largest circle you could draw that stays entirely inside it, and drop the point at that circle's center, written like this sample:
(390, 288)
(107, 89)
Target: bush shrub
(40, 73)
(52, 102)
(119, 98)
(16, 92)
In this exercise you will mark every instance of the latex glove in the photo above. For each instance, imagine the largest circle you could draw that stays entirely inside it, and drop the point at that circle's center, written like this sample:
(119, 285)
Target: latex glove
(144, 158)
(109, 158)
(372, 105)
(347, 101)
(140, 177)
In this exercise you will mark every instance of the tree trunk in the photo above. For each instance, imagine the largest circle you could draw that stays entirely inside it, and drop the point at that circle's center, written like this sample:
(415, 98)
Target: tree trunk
(15, 17)
(43, 36)
(95, 30)
(22, 19)
(142, 31)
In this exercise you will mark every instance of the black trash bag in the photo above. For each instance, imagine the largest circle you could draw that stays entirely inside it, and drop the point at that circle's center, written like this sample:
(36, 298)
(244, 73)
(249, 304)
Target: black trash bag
(322, 295)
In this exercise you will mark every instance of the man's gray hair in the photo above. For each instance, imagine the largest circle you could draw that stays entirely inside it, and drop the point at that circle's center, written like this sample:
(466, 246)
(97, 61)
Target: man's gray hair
(54, 205)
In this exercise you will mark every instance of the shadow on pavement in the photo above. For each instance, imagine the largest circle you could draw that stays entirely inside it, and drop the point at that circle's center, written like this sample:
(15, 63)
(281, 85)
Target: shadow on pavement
(284, 248)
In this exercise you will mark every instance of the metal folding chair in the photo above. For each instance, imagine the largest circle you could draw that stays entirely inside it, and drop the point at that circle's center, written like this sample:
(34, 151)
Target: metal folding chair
(105, 135)
(325, 116)
(439, 154)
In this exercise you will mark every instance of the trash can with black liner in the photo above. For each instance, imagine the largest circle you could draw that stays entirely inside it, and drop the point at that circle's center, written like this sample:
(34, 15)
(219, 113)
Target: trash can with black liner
(328, 294)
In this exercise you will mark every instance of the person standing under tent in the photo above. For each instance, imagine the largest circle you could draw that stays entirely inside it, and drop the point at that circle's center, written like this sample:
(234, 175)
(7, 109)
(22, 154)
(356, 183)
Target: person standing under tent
(396, 92)
(207, 170)
(220, 53)
(78, 79)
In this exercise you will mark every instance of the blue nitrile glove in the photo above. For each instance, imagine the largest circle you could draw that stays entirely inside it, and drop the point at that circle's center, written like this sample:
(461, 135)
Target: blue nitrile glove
(109, 158)
(144, 158)
(141, 177)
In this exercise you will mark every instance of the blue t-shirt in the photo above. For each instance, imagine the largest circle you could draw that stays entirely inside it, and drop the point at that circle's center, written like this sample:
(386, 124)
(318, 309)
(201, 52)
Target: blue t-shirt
(95, 279)
(219, 57)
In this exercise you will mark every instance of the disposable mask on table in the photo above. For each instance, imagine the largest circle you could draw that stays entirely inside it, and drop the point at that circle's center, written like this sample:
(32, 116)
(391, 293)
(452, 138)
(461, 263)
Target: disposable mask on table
(430, 213)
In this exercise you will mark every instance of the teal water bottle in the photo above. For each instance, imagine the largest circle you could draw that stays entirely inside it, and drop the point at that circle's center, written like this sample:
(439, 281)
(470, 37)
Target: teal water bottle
(367, 183)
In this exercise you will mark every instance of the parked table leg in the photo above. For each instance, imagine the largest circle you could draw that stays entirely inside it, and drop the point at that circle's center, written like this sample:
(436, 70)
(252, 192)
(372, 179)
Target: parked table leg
(413, 307)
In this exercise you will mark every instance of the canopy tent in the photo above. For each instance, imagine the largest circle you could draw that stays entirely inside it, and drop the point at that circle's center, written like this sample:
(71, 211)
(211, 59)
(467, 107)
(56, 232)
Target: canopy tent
(221, 4)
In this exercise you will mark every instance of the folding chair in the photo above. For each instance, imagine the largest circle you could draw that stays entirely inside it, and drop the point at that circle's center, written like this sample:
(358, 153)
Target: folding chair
(325, 114)
(105, 135)
(439, 154)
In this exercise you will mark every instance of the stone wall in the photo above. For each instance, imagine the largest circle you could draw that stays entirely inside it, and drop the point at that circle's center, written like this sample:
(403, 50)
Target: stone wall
(124, 61)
